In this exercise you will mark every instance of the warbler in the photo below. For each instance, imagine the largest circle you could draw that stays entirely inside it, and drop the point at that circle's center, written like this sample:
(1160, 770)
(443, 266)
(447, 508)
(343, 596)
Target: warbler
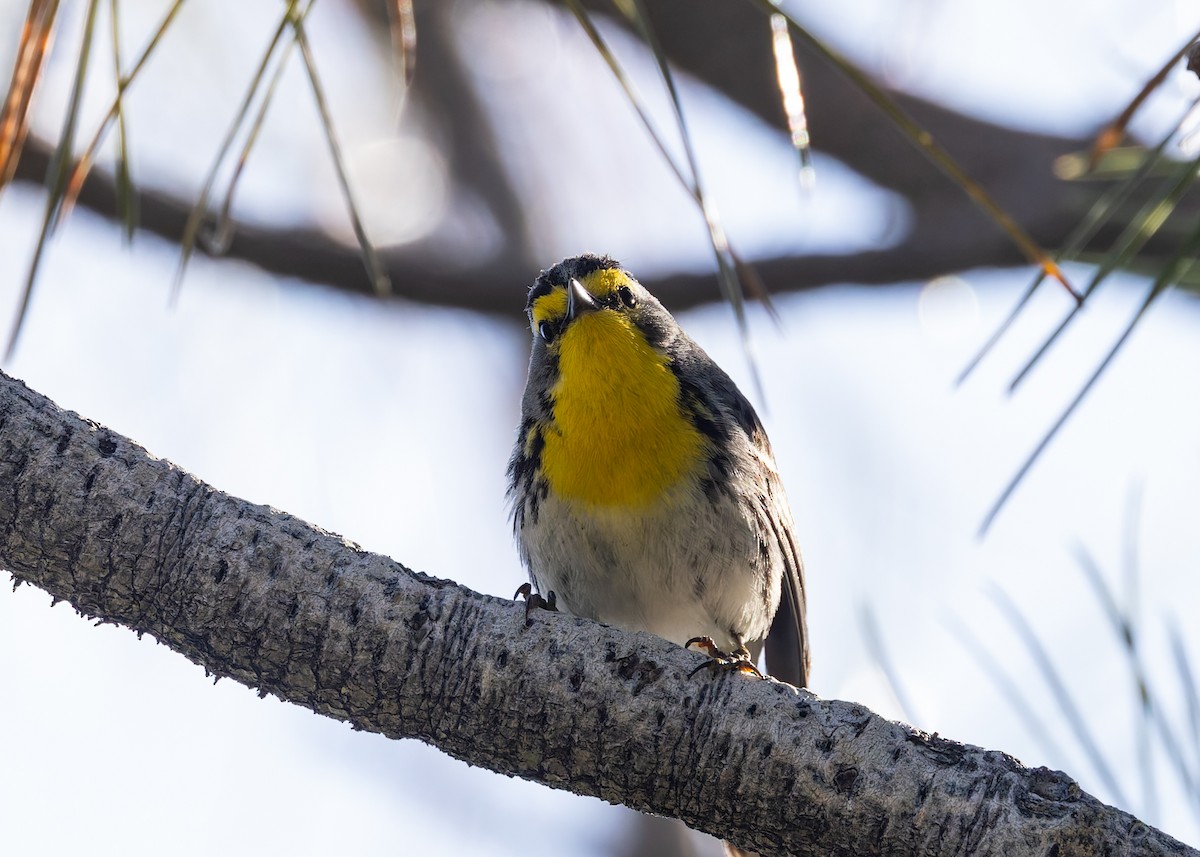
(643, 490)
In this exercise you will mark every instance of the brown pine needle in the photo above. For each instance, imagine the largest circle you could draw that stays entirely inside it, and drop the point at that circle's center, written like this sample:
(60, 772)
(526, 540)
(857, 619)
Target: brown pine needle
(36, 35)
(1051, 269)
(56, 176)
(1114, 132)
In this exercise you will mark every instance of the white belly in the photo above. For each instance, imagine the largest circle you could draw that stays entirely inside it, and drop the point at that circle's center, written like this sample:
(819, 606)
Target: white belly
(692, 570)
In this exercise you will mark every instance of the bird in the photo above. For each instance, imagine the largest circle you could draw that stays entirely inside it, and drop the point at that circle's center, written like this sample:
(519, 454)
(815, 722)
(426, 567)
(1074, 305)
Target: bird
(643, 490)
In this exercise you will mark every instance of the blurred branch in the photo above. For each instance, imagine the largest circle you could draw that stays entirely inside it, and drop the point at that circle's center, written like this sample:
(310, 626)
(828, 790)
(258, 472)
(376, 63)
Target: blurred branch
(421, 272)
(256, 595)
(725, 44)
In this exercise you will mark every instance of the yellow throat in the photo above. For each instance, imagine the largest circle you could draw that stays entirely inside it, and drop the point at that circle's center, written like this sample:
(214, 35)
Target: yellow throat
(618, 438)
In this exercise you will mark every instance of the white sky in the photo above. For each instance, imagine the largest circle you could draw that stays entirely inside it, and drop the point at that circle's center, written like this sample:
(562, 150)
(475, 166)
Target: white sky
(288, 394)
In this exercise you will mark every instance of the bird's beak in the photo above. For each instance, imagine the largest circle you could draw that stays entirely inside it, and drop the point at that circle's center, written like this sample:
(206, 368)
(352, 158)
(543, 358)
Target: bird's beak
(579, 301)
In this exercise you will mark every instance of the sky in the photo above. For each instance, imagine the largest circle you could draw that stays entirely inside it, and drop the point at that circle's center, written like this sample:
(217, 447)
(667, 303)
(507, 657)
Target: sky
(312, 401)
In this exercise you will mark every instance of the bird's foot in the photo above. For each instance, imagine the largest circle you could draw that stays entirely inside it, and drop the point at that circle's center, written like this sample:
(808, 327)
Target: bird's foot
(722, 661)
(534, 600)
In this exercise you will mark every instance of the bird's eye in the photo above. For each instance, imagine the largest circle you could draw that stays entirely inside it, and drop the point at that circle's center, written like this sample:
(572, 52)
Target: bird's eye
(546, 331)
(627, 296)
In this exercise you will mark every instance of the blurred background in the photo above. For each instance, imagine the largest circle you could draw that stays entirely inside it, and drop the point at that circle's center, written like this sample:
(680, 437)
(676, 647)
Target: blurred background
(1066, 634)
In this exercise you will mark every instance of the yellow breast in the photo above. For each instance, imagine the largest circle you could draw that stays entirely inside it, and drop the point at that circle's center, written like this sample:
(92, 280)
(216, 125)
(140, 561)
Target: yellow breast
(618, 439)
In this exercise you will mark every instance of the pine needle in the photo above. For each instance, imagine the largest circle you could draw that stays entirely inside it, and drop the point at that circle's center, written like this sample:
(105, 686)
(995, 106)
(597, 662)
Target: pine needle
(36, 36)
(375, 270)
(191, 229)
(925, 143)
(1148, 221)
(1100, 213)
(56, 176)
(1062, 696)
(1114, 132)
(787, 74)
(1180, 264)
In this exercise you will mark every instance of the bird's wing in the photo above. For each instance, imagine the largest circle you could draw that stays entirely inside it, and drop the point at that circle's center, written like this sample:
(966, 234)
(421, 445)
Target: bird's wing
(787, 641)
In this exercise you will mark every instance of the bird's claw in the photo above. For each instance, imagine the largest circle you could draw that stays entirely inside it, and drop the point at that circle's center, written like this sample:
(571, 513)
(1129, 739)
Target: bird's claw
(534, 600)
(722, 661)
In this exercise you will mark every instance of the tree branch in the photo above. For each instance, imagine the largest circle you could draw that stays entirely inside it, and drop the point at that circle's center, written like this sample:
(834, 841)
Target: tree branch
(261, 597)
(419, 272)
(725, 45)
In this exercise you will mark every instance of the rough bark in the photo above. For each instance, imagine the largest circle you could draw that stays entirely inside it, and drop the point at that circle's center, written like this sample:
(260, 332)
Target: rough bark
(261, 597)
